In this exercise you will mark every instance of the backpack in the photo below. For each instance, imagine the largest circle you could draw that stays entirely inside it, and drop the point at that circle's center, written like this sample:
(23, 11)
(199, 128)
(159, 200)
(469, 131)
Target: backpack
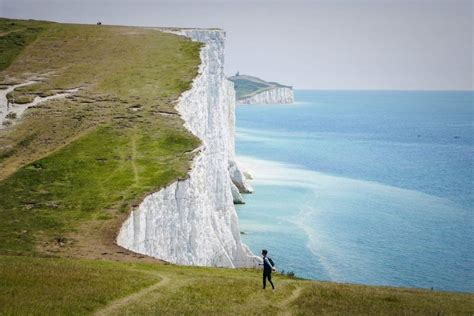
(271, 261)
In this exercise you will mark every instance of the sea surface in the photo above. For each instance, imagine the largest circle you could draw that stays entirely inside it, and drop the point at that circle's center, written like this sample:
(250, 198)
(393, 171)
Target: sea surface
(371, 187)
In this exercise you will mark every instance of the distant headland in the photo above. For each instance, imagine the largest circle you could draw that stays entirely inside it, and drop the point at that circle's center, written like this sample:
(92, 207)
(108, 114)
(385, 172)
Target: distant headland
(253, 90)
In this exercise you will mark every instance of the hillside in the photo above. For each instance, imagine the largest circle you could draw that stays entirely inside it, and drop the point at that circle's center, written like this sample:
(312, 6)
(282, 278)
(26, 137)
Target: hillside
(73, 167)
(246, 86)
(249, 87)
(40, 286)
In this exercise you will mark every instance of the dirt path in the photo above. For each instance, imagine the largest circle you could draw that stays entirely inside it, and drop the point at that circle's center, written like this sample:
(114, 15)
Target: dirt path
(12, 31)
(114, 306)
(285, 304)
(134, 157)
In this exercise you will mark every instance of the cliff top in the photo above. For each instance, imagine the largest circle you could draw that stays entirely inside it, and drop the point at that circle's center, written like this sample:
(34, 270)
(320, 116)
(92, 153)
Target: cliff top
(71, 168)
(247, 86)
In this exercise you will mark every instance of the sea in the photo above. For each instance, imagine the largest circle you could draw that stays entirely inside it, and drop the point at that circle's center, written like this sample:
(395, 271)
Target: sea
(367, 187)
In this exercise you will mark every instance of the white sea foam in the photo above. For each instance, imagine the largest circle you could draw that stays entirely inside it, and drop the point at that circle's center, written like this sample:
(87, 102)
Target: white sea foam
(273, 172)
(404, 213)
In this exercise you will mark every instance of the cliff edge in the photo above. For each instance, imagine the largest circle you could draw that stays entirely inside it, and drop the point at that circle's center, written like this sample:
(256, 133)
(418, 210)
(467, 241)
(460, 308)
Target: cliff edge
(193, 221)
(253, 90)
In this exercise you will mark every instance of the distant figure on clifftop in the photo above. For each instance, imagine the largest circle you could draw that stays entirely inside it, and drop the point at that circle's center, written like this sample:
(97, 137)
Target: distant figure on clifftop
(268, 267)
(99, 23)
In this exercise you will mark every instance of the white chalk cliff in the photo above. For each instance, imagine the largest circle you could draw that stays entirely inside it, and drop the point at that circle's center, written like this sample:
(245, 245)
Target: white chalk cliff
(274, 95)
(193, 221)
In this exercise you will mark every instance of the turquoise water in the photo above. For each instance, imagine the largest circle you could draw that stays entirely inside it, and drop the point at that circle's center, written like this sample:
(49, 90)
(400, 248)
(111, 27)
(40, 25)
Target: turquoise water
(372, 187)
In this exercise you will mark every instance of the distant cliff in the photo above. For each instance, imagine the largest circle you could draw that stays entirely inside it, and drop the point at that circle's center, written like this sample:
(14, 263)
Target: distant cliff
(253, 90)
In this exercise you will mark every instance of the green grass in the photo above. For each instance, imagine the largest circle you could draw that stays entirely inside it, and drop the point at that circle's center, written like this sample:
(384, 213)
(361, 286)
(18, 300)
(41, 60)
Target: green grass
(108, 167)
(32, 286)
(248, 86)
(244, 88)
(344, 299)
(94, 155)
(15, 35)
(38, 286)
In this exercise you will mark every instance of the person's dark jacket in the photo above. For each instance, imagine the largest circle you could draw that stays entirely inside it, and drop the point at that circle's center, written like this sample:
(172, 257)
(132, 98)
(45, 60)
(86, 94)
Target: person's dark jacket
(267, 266)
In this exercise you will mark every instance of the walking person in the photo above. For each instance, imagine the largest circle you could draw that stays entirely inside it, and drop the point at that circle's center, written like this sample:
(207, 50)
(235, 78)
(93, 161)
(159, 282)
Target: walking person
(267, 269)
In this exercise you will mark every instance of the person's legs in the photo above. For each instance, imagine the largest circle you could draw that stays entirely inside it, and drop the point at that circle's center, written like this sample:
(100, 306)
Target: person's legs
(270, 280)
(264, 280)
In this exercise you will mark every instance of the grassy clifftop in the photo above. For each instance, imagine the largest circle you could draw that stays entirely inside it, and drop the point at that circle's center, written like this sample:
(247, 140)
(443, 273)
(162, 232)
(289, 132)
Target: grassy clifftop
(83, 161)
(71, 169)
(248, 86)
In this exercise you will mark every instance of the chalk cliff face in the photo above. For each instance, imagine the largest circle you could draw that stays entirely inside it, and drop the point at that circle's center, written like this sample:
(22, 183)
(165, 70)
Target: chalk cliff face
(193, 221)
(271, 96)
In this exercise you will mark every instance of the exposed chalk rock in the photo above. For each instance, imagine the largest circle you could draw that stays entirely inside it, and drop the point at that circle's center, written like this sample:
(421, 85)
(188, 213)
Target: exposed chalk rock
(271, 96)
(193, 221)
(236, 196)
(238, 178)
(247, 175)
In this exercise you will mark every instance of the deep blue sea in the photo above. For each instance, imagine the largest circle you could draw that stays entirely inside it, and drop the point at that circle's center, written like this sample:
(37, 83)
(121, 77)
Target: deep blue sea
(372, 187)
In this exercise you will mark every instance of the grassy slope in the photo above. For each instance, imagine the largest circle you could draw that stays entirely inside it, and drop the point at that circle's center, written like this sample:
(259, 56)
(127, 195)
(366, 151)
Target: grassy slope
(36, 286)
(245, 88)
(16, 35)
(60, 286)
(71, 169)
(90, 157)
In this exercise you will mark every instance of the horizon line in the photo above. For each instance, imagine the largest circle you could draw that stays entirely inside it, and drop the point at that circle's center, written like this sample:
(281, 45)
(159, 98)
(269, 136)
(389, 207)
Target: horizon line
(401, 90)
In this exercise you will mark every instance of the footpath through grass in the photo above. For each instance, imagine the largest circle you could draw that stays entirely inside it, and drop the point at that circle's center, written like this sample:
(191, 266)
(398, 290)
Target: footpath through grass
(39, 286)
(33, 286)
(15, 35)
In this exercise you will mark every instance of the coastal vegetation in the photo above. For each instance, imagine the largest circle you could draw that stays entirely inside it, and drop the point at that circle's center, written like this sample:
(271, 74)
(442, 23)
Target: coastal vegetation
(72, 168)
(87, 159)
(247, 86)
(45, 286)
(15, 36)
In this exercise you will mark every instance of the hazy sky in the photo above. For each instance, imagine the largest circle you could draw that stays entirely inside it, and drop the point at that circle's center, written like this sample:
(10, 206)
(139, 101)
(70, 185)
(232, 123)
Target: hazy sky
(308, 44)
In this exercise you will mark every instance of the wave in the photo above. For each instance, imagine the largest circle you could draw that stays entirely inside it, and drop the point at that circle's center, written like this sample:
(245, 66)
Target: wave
(279, 173)
(368, 232)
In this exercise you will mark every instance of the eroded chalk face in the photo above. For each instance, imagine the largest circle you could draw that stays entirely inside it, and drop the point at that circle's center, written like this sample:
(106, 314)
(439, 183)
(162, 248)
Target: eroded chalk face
(194, 222)
(273, 96)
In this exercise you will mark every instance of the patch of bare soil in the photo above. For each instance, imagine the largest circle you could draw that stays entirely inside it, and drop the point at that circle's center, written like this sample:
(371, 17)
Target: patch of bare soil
(94, 240)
